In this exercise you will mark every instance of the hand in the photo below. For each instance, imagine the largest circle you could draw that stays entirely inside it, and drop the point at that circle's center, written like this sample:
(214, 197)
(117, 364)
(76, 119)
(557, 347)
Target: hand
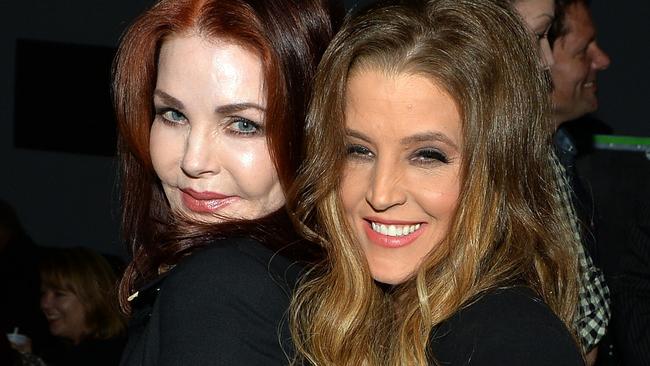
(25, 346)
(591, 356)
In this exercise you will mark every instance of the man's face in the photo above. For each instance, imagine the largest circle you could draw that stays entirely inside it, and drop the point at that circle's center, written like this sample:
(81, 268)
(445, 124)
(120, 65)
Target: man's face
(578, 58)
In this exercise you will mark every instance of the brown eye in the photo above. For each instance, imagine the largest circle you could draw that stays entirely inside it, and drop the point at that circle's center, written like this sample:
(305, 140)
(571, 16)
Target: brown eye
(359, 151)
(428, 156)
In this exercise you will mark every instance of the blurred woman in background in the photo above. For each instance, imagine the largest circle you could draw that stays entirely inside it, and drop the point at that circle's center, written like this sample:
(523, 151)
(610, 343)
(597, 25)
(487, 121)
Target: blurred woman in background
(538, 15)
(79, 300)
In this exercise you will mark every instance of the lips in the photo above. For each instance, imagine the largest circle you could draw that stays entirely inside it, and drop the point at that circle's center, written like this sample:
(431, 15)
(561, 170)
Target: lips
(205, 202)
(392, 234)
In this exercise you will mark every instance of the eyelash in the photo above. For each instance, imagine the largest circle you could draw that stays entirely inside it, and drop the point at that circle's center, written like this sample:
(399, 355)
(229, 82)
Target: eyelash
(163, 114)
(426, 156)
(258, 130)
(360, 152)
(429, 156)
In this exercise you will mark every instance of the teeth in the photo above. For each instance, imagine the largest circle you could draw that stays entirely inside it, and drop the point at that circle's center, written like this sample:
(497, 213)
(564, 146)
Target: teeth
(394, 230)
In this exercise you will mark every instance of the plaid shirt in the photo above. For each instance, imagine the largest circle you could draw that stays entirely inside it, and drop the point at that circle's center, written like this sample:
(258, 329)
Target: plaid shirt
(593, 297)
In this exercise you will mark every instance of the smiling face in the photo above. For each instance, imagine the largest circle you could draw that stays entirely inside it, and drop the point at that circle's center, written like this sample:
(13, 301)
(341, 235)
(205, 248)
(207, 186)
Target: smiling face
(65, 314)
(401, 181)
(578, 59)
(538, 16)
(207, 141)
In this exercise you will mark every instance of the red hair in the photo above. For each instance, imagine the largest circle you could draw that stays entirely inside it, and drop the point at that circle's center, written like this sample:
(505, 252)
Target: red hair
(289, 36)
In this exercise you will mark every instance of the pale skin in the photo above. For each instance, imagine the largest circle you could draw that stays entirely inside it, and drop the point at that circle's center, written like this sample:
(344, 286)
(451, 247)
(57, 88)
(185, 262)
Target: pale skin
(538, 16)
(401, 181)
(208, 143)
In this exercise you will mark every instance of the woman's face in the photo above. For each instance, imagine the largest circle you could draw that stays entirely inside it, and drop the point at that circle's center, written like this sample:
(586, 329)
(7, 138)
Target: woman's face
(64, 312)
(538, 16)
(401, 180)
(208, 140)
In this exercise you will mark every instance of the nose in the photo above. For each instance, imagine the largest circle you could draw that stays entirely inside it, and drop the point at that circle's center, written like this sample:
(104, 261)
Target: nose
(599, 59)
(200, 157)
(546, 54)
(46, 300)
(386, 188)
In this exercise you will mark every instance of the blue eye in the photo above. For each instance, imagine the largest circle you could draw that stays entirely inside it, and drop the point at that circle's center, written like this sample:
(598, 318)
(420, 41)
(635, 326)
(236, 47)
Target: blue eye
(243, 126)
(429, 156)
(171, 116)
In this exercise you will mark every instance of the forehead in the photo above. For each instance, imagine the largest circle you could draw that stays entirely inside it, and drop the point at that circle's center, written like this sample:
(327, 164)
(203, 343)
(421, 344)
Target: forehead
(399, 103)
(535, 8)
(191, 63)
(578, 22)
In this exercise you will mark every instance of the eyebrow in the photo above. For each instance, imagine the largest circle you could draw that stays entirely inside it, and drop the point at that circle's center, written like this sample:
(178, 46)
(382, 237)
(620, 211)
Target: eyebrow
(224, 109)
(169, 100)
(428, 137)
(237, 107)
(409, 140)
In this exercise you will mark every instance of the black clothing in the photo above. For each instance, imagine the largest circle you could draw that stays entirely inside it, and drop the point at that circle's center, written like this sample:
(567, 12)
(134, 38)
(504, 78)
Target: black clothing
(225, 304)
(89, 352)
(504, 327)
(21, 285)
(632, 291)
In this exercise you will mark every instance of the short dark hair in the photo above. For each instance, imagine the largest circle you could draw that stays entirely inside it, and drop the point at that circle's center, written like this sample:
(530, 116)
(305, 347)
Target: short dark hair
(559, 28)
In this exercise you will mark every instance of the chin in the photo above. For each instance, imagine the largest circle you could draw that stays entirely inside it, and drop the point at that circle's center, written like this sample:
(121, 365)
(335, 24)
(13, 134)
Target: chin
(389, 276)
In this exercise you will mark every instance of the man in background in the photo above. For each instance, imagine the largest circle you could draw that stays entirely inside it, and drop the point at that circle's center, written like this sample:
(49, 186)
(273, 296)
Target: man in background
(578, 59)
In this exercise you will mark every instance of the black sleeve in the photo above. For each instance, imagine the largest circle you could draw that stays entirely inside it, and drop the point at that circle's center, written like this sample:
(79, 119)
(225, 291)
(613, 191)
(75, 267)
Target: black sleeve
(222, 307)
(632, 293)
(505, 328)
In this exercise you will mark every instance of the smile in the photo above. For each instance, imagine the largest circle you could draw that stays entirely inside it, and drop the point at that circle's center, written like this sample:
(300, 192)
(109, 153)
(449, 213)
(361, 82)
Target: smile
(589, 85)
(51, 317)
(394, 230)
(391, 235)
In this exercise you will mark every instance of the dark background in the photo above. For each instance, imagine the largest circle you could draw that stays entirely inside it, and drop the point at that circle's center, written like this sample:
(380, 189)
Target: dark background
(57, 133)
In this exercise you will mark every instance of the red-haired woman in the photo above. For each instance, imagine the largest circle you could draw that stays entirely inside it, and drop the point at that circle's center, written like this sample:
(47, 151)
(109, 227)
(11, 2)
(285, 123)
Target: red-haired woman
(210, 99)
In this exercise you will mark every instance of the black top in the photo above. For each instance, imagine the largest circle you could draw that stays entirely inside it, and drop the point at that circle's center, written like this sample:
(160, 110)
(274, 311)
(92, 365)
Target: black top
(504, 327)
(94, 352)
(632, 289)
(223, 305)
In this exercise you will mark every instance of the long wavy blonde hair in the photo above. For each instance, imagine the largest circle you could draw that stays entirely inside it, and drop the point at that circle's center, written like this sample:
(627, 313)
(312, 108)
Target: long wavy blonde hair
(509, 226)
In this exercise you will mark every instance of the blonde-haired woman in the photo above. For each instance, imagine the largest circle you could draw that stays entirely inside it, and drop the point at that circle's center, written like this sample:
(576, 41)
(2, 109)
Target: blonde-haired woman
(427, 182)
(79, 300)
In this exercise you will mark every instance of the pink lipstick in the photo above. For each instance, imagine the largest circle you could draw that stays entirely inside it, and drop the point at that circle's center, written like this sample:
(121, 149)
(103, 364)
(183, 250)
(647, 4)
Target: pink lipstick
(205, 202)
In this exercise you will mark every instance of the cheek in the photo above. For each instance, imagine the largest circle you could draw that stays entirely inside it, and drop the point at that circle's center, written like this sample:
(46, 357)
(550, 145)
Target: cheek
(251, 167)
(76, 309)
(165, 146)
(353, 187)
(440, 198)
